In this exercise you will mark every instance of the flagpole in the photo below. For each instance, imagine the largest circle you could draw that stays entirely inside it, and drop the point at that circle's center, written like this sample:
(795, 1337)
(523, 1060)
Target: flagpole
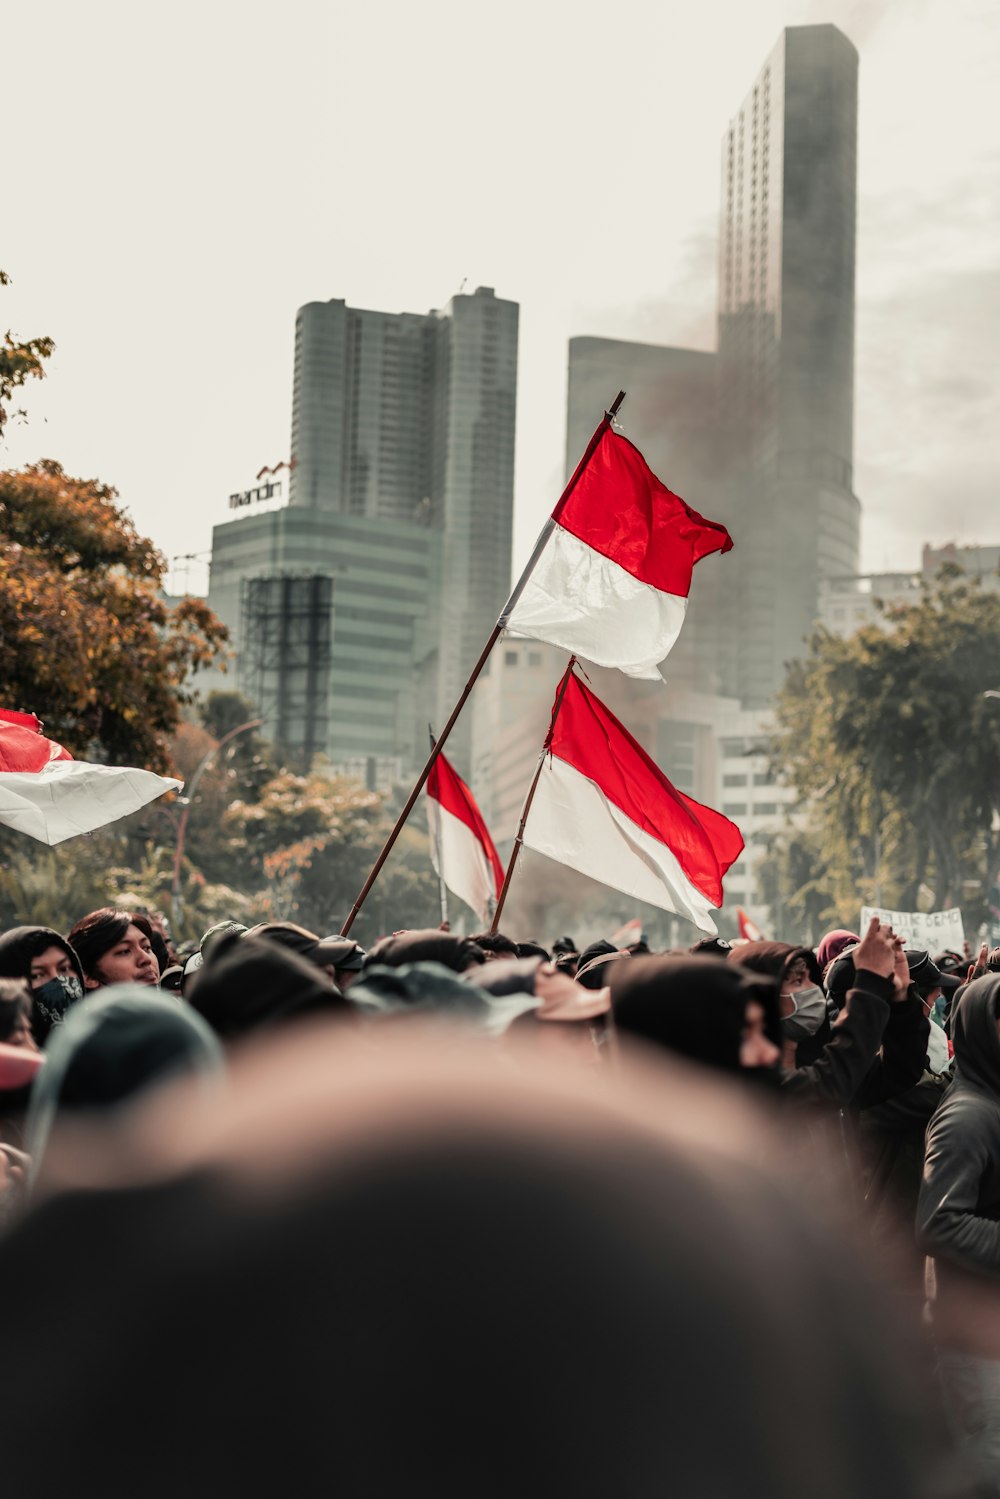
(442, 887)
(495, 634)
(519, 835)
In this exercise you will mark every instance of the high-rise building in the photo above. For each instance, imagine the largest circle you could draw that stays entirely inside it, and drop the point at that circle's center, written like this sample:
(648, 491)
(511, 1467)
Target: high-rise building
(760, 434)
(786, 348)
(400, 493)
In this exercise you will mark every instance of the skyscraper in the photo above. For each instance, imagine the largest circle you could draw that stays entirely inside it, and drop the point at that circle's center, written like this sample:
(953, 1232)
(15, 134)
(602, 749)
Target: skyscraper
(401, 495)
(760, 434)
(786, 347)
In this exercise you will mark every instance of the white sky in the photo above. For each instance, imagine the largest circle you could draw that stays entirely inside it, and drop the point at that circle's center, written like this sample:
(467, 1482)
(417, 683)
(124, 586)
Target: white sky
(178, 180)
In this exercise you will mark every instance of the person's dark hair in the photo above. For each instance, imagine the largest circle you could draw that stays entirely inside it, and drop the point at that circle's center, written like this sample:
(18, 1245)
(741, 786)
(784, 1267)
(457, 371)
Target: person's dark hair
(533, 950)
(97, 933)
(496, 942)
(993, 960)
(425, 946)
(15, 1000)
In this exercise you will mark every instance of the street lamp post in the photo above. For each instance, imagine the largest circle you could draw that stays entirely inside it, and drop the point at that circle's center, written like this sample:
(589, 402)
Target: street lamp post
(185, 801)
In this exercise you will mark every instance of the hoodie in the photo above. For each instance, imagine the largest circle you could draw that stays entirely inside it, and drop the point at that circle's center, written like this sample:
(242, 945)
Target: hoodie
(958, 1213)
(18, 948)
(249, 982)
(112, 1047)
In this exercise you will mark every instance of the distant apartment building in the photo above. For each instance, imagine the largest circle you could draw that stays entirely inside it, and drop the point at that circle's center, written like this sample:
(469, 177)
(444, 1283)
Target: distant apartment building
(400, 494)
(849, 603)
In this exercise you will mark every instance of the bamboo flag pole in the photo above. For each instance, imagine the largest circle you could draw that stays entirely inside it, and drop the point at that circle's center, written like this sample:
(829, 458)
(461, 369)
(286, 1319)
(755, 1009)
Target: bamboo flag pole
(442, 887)
(495, 634)
(519, 835)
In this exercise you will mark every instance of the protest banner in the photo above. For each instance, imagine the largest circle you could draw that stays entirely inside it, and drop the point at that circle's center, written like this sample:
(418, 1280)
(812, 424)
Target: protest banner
(929, 930)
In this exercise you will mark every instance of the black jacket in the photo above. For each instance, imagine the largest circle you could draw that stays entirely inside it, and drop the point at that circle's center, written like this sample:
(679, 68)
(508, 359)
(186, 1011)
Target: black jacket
(958, 1214)
(877, 1049)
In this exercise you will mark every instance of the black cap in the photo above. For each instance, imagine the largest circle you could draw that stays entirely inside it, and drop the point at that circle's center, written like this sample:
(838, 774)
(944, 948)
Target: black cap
(925, 973)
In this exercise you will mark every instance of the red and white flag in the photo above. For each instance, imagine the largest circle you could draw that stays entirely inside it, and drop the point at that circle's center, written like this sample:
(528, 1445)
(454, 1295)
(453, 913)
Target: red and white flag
(613, 579)
(603, 807)
(48, 795)
(462, 850)
(748, 928)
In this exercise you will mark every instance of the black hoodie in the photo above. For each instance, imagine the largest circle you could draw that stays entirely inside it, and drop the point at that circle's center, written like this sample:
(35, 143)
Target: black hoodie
(958, 1215)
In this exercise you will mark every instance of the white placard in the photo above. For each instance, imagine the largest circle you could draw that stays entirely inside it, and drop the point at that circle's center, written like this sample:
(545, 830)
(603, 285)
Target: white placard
(930, 930)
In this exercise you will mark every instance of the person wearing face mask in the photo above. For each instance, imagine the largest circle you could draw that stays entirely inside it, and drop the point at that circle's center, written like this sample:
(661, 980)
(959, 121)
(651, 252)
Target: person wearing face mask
(877, 1046)
(51, 968)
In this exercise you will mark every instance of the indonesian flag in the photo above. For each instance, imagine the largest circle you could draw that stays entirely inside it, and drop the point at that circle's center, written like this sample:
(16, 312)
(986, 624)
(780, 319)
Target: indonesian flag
(604, 808)
(50, 796)
(612, 582)
(749, 930)
(462, 850)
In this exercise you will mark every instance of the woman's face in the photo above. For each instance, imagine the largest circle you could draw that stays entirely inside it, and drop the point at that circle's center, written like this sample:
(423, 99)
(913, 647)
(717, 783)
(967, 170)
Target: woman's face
(54, 962)
(796, 978)
(130, 961)
(21, 1033)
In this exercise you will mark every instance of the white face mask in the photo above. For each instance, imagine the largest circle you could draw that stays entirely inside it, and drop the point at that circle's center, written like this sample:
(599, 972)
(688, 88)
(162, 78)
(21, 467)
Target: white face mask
(808, 1015)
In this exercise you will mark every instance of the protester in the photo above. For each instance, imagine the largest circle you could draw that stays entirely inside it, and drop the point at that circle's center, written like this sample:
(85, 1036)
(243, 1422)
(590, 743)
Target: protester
(15, 1014)
(427, 945)
(400, 1271)
(958, 1220)
(495, 946)
(51, 967)
(249, 983)
(115, 947)
(332, 955)
(111, 1048)
(876, 1048)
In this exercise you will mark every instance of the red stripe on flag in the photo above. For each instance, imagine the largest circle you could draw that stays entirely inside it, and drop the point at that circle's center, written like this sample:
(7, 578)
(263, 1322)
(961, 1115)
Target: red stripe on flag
(589, 737)
(446, 786)
(621, 509)
(24, 749)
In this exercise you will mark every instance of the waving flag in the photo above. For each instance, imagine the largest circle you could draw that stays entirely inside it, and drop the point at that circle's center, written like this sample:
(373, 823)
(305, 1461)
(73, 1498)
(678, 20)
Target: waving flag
(613, 580)
(462, 850)
(48, 795)
(603, 807)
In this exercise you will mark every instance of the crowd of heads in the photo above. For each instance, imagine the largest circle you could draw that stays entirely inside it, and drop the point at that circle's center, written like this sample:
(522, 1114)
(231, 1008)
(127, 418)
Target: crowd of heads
(473, 1186)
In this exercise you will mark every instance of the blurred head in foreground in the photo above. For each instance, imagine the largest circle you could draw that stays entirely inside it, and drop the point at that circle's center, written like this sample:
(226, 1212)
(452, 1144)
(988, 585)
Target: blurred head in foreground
(420, 1270)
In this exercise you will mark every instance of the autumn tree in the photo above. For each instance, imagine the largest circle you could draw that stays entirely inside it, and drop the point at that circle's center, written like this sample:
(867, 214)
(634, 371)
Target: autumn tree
(19, 362)
(894, 748)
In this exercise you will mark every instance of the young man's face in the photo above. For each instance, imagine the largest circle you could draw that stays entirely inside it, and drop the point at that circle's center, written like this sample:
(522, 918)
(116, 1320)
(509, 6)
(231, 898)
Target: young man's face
(129, 961)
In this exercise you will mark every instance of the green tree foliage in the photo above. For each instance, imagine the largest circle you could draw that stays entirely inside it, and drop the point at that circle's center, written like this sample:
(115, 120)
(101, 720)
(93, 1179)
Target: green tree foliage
(86, 640)
(895, 752)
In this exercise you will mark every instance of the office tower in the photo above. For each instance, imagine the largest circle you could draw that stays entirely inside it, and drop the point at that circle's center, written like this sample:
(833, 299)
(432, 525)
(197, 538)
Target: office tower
(400, 494)
(786, 348)
(760, 434)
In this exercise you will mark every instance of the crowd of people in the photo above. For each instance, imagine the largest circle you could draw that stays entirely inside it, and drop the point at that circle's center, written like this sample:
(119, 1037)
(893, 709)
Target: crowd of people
(472, 1215)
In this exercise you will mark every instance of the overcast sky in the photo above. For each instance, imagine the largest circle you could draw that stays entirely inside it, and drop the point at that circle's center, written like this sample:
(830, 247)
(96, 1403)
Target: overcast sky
(178, 179)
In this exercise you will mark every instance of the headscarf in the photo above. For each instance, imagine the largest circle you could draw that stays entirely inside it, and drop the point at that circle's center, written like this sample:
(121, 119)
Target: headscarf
(18, 948)
(426, 945)
(694, 1006)
(111, 1047)
(974, 1034)
(832, 945)
(455, 1268)
(253, 982)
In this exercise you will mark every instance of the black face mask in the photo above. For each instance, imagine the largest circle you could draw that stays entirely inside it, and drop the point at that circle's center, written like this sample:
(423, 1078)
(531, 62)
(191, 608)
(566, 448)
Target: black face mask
(59, 993)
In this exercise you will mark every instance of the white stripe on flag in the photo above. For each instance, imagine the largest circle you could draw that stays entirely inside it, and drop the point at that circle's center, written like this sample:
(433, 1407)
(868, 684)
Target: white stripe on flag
(460, 859)
(572, 821)
(74, 796)
(579, 599)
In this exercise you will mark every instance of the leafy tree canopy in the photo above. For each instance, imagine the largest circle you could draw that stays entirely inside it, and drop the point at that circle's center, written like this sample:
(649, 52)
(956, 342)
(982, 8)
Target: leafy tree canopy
(19, 362)
(895, 751)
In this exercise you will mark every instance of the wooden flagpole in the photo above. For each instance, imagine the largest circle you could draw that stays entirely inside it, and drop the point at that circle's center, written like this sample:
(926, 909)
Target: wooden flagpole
(495, 634)
(519, 835)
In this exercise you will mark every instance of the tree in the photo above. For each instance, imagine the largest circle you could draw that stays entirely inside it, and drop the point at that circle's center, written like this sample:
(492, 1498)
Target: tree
(19, 362)
(895, 752)
(86, 640)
